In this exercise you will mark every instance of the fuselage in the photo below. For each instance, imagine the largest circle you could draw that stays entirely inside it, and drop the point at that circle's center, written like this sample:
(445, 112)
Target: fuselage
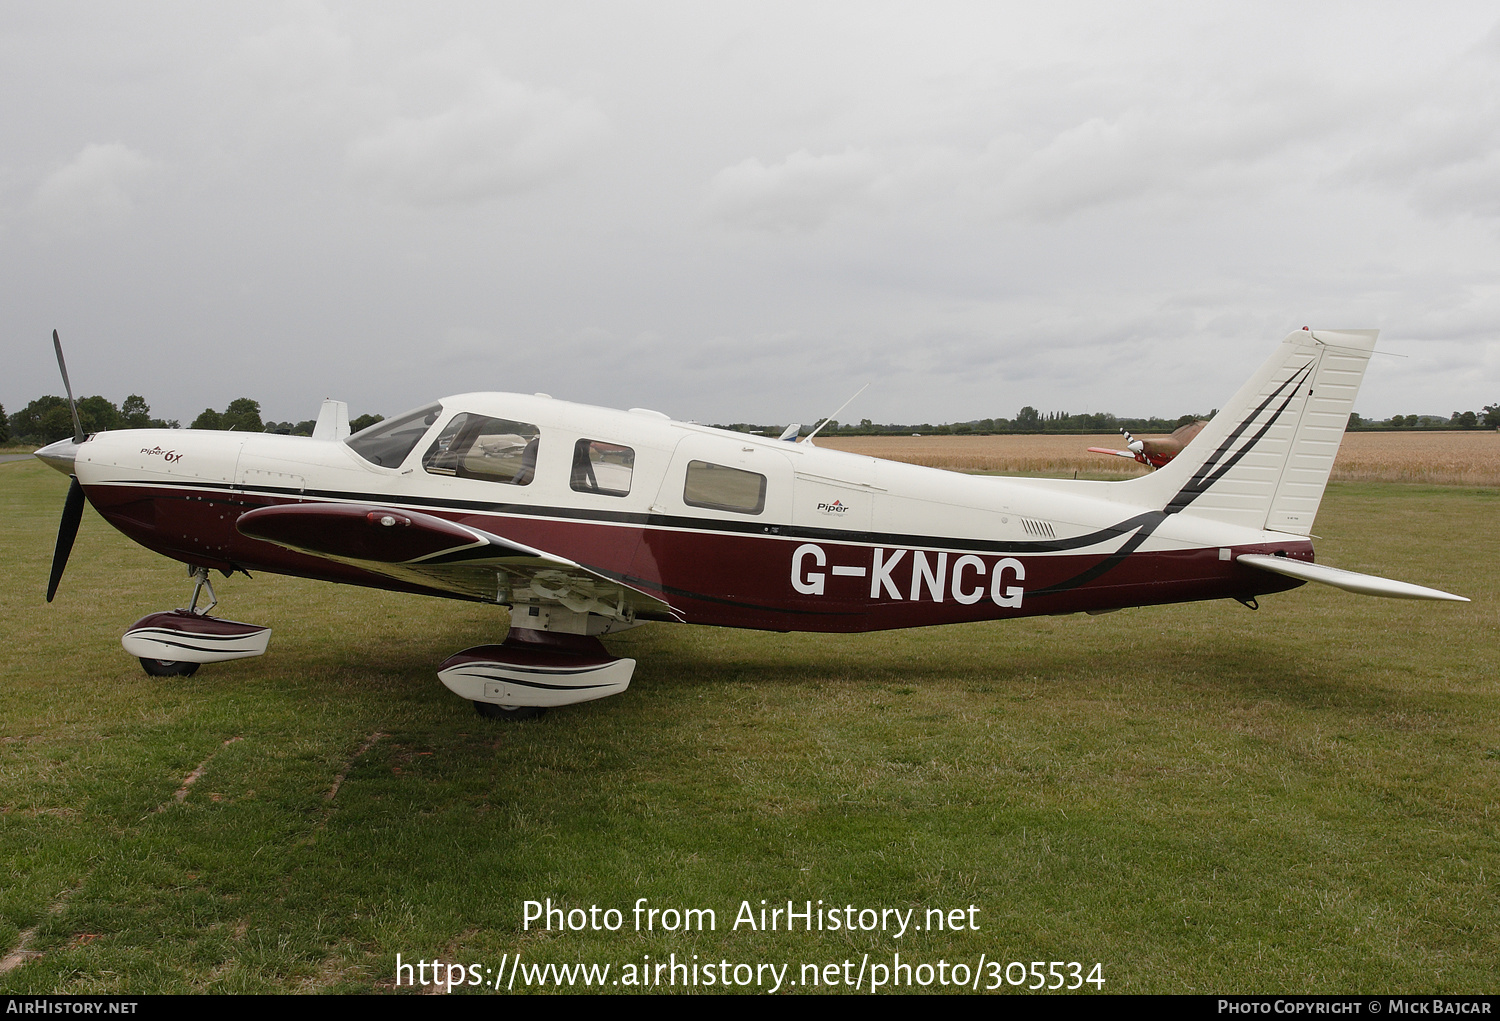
(727, 528)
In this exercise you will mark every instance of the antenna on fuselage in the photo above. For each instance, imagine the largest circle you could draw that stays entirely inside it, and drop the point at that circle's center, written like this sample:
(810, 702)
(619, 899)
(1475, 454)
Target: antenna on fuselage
(808, 438)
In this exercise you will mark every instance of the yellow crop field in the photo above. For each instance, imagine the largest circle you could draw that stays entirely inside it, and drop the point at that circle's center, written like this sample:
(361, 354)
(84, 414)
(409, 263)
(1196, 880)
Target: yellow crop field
(1447, 458)
(1444, 458)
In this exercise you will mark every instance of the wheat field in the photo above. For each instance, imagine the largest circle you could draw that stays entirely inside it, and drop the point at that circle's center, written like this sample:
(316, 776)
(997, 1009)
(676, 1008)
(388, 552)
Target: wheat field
(1441, 458)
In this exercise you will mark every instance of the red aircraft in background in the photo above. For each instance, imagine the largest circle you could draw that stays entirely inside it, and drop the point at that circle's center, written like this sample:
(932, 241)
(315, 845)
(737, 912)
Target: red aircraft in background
(1157, 450)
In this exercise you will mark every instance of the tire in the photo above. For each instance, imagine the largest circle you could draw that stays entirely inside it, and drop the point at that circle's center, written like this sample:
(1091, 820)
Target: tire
(169, 667)
(491, 711)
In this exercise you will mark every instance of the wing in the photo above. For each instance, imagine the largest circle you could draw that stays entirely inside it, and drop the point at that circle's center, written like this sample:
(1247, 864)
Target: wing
(421, 549)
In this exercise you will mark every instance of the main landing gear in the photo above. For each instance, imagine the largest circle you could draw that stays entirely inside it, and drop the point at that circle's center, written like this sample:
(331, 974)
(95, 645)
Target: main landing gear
(554, 661)
(174, 643)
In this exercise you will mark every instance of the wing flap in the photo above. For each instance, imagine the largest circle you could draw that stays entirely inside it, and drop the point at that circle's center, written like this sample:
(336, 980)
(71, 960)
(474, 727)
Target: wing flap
(1349, 581)
(433, 552)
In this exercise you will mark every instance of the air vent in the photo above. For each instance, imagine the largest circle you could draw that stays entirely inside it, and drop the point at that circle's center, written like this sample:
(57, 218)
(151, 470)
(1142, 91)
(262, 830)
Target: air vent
(1040, 529)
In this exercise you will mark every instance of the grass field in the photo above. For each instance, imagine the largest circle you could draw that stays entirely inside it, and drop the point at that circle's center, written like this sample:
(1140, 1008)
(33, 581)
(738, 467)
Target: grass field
(1200, 798)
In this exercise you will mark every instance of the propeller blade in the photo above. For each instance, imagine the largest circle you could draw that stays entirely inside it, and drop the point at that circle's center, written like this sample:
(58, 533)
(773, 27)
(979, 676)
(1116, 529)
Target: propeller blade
(78, 436)
(66, 533)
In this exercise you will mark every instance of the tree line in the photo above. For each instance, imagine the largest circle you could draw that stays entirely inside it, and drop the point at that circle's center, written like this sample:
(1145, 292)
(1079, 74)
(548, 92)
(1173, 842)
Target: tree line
(1029, 420)
(47, 419)
(1487, 418)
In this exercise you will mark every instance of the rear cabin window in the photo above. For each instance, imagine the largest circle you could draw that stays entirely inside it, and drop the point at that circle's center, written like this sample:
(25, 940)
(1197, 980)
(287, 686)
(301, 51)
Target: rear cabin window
(603, 468)
(728, 489)
(387, 443)
(489, 449)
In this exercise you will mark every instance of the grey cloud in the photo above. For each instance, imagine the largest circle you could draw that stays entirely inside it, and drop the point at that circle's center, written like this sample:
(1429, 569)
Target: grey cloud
(503, 138)
(95, 190)
(800, 193)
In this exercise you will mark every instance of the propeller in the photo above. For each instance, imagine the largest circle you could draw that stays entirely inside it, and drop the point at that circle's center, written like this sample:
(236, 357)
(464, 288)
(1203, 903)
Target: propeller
(78, 436)
(66, 533)
(62, 454)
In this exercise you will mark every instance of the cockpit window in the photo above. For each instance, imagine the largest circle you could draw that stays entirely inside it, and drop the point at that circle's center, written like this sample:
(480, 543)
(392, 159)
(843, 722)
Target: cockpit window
(490, 449)
(387, 443)
(603, 468)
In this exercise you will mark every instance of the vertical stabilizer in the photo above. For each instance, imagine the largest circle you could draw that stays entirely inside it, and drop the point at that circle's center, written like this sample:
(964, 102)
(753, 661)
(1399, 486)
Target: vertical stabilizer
(1264, 460)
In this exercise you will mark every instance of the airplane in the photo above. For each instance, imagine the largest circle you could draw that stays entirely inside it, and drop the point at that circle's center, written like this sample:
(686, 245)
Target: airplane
(586, 521)
(1155, 451)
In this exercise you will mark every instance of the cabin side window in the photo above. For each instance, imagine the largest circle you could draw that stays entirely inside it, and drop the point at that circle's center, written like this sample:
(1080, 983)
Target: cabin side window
(387, 443)
(489, 449)
(603, 468)
(719, 488)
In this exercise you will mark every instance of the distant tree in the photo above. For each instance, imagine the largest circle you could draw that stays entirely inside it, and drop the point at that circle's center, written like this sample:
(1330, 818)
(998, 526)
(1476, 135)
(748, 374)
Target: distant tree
(362, 422)
(242, 415)
(4, 426)
(98, 414)
(1492, 415)
(292, 428)
(135, 413)
(44, 420)
(1028, 418)
(1397, 421)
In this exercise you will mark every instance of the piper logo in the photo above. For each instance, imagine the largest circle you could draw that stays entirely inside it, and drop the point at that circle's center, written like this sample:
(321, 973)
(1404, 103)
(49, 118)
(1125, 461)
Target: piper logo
(169, 455)
(836, 507)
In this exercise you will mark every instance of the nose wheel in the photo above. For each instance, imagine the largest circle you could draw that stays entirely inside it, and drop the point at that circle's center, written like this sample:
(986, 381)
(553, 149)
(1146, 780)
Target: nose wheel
(168, 667)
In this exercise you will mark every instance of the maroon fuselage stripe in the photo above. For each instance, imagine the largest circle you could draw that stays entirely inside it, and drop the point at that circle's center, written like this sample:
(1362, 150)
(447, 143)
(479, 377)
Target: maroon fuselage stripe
(725, 578)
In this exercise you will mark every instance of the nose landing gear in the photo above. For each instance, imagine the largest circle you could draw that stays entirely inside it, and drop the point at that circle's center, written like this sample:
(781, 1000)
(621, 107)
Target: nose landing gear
(173, 643)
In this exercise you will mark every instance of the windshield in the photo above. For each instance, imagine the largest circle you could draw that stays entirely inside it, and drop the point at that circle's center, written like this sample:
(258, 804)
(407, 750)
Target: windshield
(387, 443)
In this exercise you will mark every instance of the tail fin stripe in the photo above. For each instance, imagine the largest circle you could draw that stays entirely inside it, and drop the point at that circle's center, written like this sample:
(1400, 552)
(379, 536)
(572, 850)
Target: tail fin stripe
(1207, 467)
(1296, 384)
(1206, 476)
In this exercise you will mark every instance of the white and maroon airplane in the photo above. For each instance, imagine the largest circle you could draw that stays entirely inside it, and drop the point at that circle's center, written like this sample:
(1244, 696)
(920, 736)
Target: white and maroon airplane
(586, 521)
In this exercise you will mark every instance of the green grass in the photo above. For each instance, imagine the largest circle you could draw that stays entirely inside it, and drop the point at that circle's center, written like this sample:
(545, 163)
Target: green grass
(1304, 798)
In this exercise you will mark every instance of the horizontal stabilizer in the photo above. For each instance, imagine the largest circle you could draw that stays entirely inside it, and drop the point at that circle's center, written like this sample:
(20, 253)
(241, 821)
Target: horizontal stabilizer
(1365, 584)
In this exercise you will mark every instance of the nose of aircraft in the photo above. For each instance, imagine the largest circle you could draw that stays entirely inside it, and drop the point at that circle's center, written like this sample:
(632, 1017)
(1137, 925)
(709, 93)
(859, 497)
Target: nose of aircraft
(60, 455)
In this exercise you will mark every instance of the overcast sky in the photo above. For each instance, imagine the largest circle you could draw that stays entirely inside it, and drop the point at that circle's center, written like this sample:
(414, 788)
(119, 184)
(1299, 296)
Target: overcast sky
(744, 212)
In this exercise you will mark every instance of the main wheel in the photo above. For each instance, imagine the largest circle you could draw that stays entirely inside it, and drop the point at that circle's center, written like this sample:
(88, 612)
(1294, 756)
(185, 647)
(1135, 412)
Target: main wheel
(491, 711)
(169, 667)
